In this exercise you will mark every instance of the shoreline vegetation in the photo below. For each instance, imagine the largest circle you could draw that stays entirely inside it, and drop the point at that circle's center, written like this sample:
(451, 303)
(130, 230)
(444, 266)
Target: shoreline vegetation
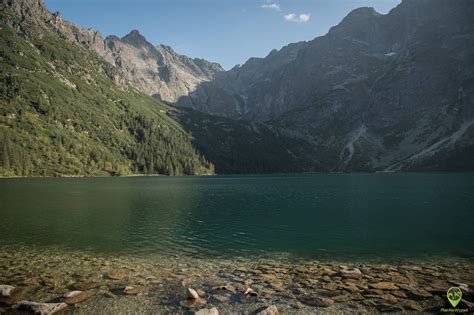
(236, 174)
(86, 283)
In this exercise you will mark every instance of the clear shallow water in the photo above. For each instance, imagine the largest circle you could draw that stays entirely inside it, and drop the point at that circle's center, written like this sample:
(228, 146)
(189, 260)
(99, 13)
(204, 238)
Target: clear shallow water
(335, 216)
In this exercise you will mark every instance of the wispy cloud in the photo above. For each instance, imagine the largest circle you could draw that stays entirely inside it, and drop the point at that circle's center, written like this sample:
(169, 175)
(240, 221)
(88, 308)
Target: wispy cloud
(271, 6)
(301, 18)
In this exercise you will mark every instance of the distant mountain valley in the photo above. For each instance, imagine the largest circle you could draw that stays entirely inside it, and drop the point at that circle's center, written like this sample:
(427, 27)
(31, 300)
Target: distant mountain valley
(390, 92)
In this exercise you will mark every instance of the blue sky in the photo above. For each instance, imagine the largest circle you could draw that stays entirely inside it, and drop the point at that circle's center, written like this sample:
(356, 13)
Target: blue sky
(224, 31)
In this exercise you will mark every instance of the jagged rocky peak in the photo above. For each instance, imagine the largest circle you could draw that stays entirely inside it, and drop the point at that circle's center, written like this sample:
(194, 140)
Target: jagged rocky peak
(357, 20)
(136, 39)
(207, 66)
(28, 8)
(360, 14)
(34, 20)
(166, 48)
(156, 70)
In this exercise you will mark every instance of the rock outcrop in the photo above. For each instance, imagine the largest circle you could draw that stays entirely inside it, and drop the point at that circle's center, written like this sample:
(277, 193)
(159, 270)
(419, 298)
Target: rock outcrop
(156, 70)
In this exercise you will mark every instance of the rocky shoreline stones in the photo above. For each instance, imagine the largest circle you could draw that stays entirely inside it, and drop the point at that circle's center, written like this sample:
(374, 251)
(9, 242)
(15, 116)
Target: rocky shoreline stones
(91, 284)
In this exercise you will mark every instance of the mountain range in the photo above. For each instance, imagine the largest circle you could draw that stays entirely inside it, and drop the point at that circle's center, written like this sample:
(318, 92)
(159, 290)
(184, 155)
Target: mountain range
(383, 92)
(378, 92)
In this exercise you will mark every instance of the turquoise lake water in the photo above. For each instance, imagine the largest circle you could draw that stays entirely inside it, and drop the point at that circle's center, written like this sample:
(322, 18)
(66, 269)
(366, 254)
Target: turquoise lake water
(333, 216)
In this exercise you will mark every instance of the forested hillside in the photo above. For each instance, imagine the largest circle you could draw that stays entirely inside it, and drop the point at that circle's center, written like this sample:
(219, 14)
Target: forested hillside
(61, 113)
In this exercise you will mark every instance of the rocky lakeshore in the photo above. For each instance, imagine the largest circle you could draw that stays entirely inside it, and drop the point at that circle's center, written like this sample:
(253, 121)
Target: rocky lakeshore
(46, 281)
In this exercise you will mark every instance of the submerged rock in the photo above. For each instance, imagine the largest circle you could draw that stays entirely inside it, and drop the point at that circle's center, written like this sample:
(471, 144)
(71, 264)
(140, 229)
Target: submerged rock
(6, 290)
(351, 272)
(384, 286)
(108, 294)
(266, 293)
(29, 281)
(10, 295)
(74, 297)
(192, 299)
(271, 310)
(207, 311)
(352, 288)
(328, 272)
(192, 294)
(116, 275)
(221, 298)
(462, 286)
(250, 292)
(389, 308)
(318, 301)
(240, 287)
(468, 304)
(411, 305)
(134, 290)
(389, 298)
(191, 303)
(85, 285)
(418, 294)
(342, 298)
(331, 286)
(224, 288)
(39, 308)
(373, 291)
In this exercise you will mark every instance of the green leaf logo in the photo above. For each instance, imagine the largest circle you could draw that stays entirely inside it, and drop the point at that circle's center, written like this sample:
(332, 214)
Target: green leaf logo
(454, 295)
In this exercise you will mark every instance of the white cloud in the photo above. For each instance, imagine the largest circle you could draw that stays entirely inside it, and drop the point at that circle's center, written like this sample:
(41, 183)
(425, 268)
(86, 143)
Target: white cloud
(290, 17)
(305, 17)
(301, 18)
(271, 6)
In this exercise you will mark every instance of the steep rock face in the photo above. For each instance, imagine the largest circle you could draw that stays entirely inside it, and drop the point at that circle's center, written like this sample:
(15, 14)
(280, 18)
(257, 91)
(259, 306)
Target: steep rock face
(156, 70)
(357, 49)
(378, 92)
(235, 93)
(28, 9)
